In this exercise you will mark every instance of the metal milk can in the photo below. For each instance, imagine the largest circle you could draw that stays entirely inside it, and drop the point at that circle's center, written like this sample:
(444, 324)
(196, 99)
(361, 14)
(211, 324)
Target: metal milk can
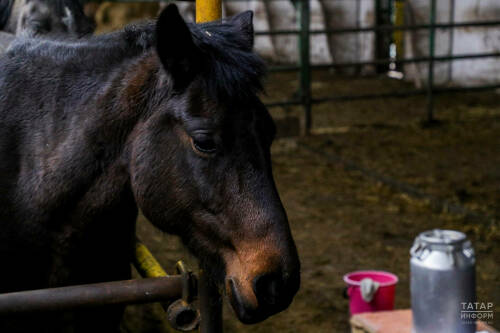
(442, 268)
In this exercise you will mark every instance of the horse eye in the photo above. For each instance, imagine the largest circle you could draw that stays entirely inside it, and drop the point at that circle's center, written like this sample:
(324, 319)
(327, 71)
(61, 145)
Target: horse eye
(205, 144)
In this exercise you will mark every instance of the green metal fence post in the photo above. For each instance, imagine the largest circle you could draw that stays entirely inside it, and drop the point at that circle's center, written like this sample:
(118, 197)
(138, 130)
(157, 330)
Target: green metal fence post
(451, 40)
(383, 37)
(304, 62)
(398, 17)
(430, 76)
(210, 305)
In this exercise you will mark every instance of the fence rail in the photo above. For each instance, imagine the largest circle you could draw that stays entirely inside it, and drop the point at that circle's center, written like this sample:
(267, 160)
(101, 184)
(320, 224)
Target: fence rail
(176, 293)
(92, 295)
(292, 68)
(386, 28)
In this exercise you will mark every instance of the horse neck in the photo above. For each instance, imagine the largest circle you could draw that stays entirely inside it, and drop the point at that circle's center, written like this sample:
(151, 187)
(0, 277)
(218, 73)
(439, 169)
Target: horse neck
(127, 103)
(99, 166)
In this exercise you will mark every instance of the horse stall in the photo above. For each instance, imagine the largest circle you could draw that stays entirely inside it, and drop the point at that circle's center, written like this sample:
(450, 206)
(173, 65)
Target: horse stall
(387, 122)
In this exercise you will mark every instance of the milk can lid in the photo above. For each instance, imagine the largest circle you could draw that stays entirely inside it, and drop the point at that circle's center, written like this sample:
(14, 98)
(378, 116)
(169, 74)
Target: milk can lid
(443, 237)
(443, 241)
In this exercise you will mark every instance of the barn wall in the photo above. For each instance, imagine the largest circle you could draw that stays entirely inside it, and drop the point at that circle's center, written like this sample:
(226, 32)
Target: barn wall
(481, 40)
(462, 41)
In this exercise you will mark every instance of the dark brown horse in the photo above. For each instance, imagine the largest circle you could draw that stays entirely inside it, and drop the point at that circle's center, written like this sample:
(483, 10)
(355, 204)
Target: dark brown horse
(161, 117)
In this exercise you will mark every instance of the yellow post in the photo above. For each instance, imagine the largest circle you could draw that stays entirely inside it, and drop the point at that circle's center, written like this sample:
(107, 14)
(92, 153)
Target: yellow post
(208, 10)
(398, 35)
(145, 263)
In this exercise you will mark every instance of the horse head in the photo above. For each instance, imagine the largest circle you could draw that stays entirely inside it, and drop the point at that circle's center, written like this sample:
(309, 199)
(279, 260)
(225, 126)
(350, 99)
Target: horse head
(200, 163)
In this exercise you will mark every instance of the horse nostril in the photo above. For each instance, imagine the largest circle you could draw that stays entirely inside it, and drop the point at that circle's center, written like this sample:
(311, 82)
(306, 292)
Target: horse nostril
(268, 288)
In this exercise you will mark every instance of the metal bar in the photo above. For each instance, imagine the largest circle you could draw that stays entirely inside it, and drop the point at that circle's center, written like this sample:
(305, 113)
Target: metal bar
(210, 305)
(382, 37)
(410, 60)
(303, 13)
(394, 94)
(399, 94)
(384, 27)
(430, 76)
(92, 295)
(208, 10)
(291, 68)
(284, 68)
(451, 39)
(358, 40)
(398, 35)
(346, 98)
(283, 103)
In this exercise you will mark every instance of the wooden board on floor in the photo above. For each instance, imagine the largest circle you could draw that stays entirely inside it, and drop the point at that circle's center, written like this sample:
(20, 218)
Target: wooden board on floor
(397, 321)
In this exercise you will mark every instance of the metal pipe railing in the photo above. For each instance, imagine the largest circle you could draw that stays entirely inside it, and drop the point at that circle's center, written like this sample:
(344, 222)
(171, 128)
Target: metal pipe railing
(382, 28)
(303, 12)
(92, 295)
(293, 68)
(392, 94)
(210, 305)
(176, 293)
(430, 75)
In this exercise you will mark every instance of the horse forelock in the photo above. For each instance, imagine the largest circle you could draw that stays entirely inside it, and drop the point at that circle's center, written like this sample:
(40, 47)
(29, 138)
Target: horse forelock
(230, 72)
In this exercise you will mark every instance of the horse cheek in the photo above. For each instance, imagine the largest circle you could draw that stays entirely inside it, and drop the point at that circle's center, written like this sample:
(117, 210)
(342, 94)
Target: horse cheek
(158, 183)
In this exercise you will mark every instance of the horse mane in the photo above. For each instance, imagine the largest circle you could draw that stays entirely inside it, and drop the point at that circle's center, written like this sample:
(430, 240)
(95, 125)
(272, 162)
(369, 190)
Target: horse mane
(5, 10)
(88, 51)
(229, 70)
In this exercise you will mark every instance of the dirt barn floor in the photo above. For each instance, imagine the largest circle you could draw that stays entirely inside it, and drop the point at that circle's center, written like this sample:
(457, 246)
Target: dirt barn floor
(344, 218)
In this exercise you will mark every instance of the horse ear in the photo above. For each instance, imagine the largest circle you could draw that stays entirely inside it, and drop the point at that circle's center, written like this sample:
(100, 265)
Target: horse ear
(176, 48)
(243, 24)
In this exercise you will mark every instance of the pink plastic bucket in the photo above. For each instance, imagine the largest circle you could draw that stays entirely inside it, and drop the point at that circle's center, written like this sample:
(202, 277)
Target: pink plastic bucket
(383, 299)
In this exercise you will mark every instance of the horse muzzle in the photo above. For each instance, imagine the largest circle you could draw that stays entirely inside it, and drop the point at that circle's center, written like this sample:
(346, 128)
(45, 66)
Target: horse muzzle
(256, 298)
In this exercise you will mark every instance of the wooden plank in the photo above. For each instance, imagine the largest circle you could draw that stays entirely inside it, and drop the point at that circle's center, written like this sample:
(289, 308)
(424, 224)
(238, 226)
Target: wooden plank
(397, 321)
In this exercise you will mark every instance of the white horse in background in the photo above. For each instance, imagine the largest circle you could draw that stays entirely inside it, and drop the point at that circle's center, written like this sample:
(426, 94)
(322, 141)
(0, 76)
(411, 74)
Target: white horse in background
(42, 17)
